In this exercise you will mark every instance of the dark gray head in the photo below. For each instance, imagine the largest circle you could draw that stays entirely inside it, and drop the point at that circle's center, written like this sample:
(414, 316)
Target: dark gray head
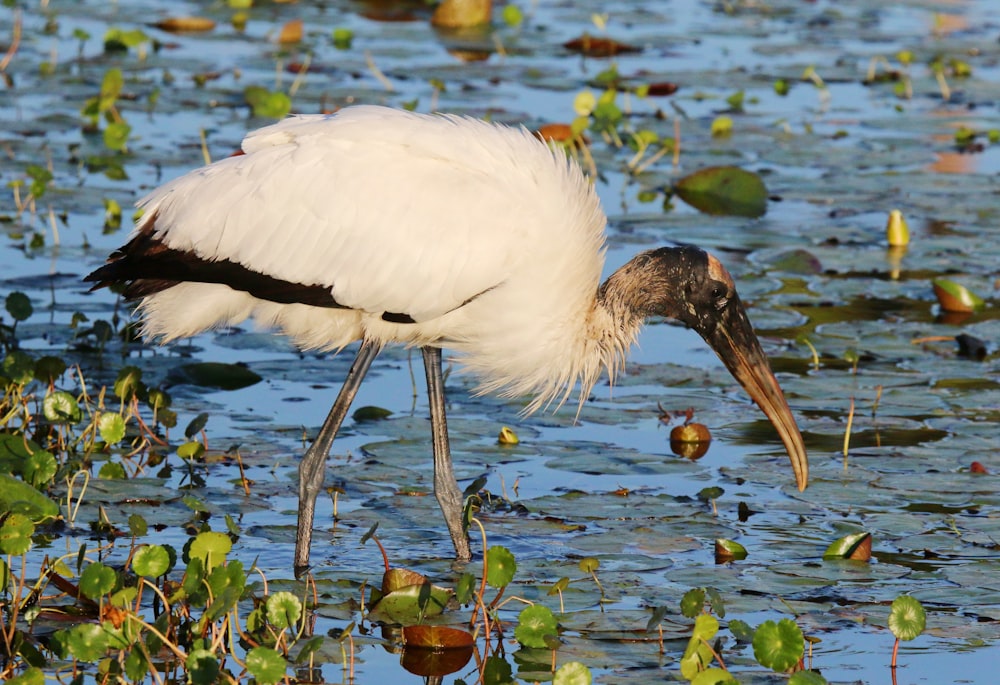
(692, 286)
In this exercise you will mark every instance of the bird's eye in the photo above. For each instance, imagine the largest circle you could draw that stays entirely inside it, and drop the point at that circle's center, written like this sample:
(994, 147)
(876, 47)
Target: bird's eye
(720, 297)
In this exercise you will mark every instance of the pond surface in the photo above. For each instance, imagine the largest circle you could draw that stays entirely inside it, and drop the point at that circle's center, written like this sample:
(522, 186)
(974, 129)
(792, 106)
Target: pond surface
(837, 153)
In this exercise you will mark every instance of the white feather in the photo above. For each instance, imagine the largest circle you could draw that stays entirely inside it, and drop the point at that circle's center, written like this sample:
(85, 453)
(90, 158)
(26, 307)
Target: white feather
(490, 240)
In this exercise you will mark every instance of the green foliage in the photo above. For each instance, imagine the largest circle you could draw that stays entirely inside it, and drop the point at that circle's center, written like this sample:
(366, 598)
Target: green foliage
(266, 103)
(907, 618)
(778, 645)
(534, 624)
(500, 566)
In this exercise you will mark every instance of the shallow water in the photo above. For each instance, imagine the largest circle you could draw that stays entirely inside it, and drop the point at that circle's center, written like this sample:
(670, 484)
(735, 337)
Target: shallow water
(836, 159)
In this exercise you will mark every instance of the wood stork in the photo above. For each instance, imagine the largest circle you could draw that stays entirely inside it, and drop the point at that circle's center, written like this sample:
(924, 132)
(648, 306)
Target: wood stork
(383, 226)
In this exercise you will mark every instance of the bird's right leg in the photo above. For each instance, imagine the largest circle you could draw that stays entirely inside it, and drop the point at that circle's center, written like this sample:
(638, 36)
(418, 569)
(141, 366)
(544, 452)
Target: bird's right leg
(312, 466)
(446, 490)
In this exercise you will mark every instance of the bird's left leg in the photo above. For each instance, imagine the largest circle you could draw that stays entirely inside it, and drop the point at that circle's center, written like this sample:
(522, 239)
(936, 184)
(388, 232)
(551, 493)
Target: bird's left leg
(446, 490)
(312, 466)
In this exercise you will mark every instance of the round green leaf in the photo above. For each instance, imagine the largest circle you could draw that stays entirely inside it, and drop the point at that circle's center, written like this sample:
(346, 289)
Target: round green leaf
(202, 667)
(778, 646)
(692, 602)
(87, 642)
(111, 427)
(907, 618)
(40, 468)
(500, 566)
(137, 525)
(111, 470)
(589, 564)
(19, 306)
(714, 676)
(15, 534)
(211, 548)
(61, 407)
(705, 627)
(534, 623)
(465, 587)
(266, 665)
(18, 496)
(806, 678)
(572, 673)
(283, 610)
(724, 190)
(19, 367)
(49, 368)
(151, 561)
(96, 580)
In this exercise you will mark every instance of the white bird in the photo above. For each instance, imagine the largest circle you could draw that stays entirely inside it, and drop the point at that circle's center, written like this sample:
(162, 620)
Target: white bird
(432, 231)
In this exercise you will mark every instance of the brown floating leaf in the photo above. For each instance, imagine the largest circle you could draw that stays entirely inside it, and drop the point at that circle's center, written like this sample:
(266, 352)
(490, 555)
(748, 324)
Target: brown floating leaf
(185, 24)
(729, 550)
(977, 467)
(599, 47)
(661, 89)
(691, 432)
(954, 297)
(461, 14)
(857, 546)
(435, 651)
(291, 32)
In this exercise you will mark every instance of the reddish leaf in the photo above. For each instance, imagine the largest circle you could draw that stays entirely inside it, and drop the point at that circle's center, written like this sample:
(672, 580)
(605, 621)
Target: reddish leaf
(599, 47)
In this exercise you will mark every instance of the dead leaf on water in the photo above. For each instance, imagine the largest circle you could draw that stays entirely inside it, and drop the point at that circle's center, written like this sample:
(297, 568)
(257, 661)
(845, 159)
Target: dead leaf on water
(185, 24)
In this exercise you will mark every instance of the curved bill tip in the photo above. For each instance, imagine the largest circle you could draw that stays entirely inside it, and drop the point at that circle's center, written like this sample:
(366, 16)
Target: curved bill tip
(737, 346)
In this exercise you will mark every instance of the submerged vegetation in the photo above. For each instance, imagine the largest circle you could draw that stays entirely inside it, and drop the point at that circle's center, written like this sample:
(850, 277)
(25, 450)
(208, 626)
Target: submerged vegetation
(145, 523)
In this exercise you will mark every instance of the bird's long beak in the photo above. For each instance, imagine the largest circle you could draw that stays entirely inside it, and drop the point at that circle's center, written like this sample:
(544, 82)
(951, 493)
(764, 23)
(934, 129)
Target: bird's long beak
(734, 341)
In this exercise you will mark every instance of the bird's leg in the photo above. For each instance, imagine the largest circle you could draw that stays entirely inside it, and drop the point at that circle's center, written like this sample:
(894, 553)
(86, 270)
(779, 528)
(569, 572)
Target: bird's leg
(312, 466)
(445, 488)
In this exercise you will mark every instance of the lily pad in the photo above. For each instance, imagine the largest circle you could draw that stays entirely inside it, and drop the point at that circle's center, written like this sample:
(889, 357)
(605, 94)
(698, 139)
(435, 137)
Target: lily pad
(724, 190)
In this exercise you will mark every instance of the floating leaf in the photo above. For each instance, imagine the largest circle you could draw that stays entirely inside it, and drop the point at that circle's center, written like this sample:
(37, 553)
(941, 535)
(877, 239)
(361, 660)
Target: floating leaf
(216, 375)
(724, 190)
(856, 546)
(907, 618)
(500, 566)
(185, 24)
(806, 678)
(266, 665)
(18, 306)
(283, 609)
(17, 496)
(61, 407)
(211, 548)
(291, 32)
(599, 47)
(572, 673)
(458, 14)
(778, 645)
(151, 561)
(729, 550)
(87, 642)
(435, 651)
(15, 534)
(371, 413)
(954, 297)
(97, 580)
(534, 624)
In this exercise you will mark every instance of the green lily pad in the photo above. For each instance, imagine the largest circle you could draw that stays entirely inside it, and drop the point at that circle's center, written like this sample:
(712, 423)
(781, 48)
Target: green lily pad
(215, 375)
(724, 190)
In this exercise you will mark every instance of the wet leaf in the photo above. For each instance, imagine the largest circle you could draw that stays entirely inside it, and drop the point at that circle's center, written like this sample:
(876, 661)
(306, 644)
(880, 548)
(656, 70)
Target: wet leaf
(856, 546)
(724, 190)
(592, 46)
(434, 651)
(371, 413)
(907, 618)
(15, 534)
(534, 624)
(19, 497)
(456, 14)
(215, 375)
(954, 297)
(729, 550)
(266, 665)
(500, 566)
(185, 24)
(778, 645)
